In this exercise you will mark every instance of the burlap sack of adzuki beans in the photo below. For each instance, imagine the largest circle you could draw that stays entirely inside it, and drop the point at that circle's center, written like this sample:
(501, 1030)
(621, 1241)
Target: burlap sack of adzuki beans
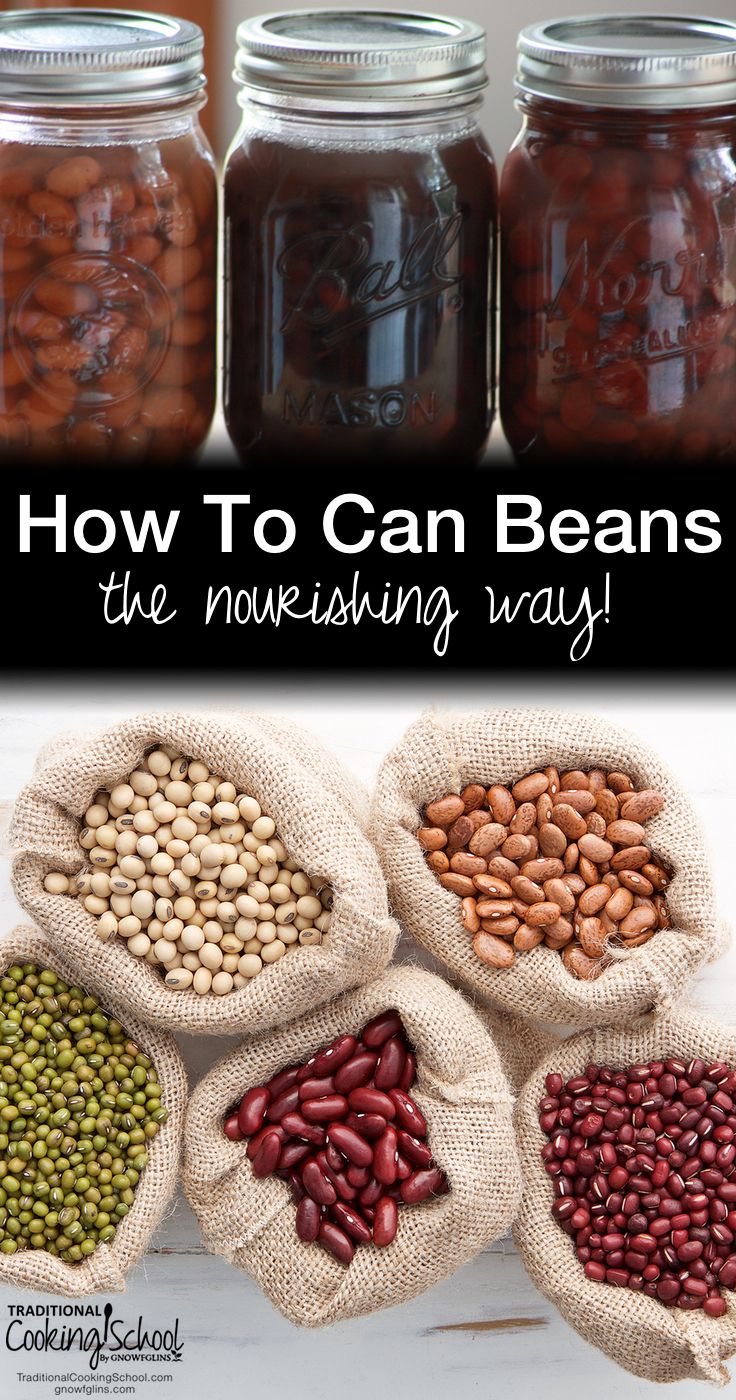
(443, 753)
(321, 815)
(639, 1333)
(462, 1091)
(105, 1270)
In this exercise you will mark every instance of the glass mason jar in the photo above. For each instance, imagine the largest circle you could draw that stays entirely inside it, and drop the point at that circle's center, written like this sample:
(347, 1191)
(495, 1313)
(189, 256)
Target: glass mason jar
(360, 208)
(108, 237)
(618, 201)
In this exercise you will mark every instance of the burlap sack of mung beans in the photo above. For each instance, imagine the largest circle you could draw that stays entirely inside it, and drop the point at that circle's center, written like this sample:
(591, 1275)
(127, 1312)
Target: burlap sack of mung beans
(639, 1333)
(105, 1270)
(321, 815)
(442, 754)
(462, 1091)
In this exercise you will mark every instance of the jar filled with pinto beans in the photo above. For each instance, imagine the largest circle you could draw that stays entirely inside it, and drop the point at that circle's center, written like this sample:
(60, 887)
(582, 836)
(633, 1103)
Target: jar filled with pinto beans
(619, 243)
(360, 207)
(108, 237)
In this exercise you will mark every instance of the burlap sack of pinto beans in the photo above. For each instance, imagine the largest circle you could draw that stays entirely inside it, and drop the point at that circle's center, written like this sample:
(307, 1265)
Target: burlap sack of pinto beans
(321, 815)
(105, 1270)
(639, 1333)
(444, 753)
(462, 1091)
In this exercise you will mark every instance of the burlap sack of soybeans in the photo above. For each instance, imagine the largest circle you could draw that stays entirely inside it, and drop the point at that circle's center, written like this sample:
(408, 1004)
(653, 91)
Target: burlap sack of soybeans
(105, 1270)
(442, 754)
(639, 1333)
(463, 1093)
(320, 812)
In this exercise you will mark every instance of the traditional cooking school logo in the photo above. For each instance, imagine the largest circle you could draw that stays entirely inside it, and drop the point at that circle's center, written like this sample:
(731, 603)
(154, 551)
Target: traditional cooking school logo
(93, 1330)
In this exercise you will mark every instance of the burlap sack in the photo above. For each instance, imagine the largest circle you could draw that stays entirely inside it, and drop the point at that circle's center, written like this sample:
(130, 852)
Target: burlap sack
(639, 1333)
(105, 1270)
(443, 753)
(462, 1091)
(321, 814)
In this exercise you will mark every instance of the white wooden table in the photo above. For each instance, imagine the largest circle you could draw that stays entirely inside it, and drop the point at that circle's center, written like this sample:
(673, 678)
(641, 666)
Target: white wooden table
(486, 1332)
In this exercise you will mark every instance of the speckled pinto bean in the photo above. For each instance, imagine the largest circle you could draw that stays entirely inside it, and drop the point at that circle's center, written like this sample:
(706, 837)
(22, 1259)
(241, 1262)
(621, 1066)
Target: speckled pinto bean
(643, 1165)
(108, 285)
(349, 1162)
(618, 328)
(560, 863)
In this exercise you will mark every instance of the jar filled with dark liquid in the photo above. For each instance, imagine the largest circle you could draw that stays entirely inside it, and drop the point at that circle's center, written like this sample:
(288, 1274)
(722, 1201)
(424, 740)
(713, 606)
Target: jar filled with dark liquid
(360, 209)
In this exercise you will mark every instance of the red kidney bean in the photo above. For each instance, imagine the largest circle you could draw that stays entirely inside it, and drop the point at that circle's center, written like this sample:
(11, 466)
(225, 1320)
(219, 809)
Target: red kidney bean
(385, 1222)
(421, 1184)
(285, 1102)
(371, 1193)
(384, 1157)
(335, 1055)
(339, 1180)
(408, 1115)
(298, 1126)
(390, 1065)
(351, 1222)
(372, 1101)
(256, 1141)
(352, 1146)
(381, 1028)
(414, 1150)
(318, 1185)
(649, 1208)
(283, 1080)
(355, 1072)
(292, 1153)
(308, 1217)
(231, 1128)
(267, 1156)
(358, 1176)
(316, 1088)
(252, 1111)
(336, 1241)
(369, 1125)
(322, 1110)
(334, 1158)
(409, 1072)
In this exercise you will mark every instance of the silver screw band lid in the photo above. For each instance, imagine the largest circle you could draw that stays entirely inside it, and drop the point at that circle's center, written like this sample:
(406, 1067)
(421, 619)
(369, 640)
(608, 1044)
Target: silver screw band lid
(360, 57)
(630, 60)
(60, 57)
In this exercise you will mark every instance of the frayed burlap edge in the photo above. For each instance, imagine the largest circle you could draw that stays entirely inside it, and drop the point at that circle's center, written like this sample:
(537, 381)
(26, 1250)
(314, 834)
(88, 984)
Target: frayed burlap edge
(461, 1089)
(105, 1270)
(321, 813)
(441, 753)
(638, 1333)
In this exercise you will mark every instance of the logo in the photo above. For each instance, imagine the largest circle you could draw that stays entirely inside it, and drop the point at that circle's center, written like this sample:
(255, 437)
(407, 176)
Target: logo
(85, 1327)
(92, 328)
(334, 289)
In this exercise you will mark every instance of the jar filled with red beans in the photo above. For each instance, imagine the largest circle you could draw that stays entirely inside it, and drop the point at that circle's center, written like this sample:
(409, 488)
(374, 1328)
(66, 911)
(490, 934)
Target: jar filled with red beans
(360, 206)
(108, 243)
(619, 243)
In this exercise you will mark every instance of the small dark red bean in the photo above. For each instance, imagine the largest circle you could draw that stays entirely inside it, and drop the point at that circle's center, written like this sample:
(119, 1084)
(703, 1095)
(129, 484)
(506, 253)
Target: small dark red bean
(381, 1028)
(335, 1055)
(336, 1242)
(349, 1220)
(369, 1125)
(318, 1185)
(283, 1080)
(352, 1146)
(384, 1157)
(316, 1088)
(408, 1114)
(298, 1126)
(252, 1110)
(390, 1064)
(409, 1072)
(285, 1102)
(416, 1151)
(324, 1110)
(308, 1217)
(355, 1072)
(421, 1185)
(385, 1221)
(231, 1128)
(372, 1101)
(267, 1156)
(255, 1143)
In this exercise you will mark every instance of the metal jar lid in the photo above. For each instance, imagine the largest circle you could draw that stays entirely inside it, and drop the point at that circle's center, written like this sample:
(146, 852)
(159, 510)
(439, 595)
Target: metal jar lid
(364, 59)
(630, 60)
(66, 57)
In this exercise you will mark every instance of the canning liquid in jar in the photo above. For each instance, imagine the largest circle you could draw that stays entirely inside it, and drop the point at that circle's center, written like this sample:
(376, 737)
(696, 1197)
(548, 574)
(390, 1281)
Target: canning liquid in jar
(618, 316)
(359, 241)
(108, 238)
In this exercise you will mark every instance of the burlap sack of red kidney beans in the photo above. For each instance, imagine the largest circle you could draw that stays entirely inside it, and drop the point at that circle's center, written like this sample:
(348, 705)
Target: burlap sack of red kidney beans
(442, 754)
(658, 1342)
(321, 814)
(461, 1091)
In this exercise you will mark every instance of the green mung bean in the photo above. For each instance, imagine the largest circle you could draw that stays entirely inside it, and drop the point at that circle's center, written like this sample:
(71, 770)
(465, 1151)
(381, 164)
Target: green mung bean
(78, 1102)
